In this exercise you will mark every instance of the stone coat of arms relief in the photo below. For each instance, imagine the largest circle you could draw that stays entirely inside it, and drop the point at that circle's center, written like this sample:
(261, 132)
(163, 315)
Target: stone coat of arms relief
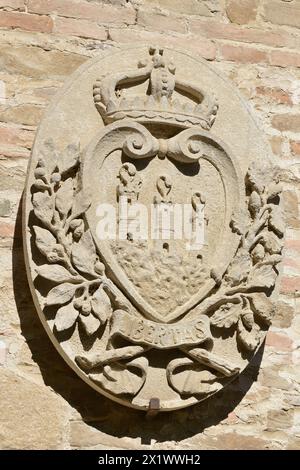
(152, 317)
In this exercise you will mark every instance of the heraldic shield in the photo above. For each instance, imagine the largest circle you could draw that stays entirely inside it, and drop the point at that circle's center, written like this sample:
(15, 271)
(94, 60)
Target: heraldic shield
(153, 229)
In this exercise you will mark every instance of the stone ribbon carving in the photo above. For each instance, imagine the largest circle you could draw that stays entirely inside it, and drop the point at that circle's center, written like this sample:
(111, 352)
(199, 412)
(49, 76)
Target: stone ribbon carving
(149, 318)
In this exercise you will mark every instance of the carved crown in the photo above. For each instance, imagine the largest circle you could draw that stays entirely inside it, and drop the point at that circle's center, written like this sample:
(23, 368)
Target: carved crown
(152, 93)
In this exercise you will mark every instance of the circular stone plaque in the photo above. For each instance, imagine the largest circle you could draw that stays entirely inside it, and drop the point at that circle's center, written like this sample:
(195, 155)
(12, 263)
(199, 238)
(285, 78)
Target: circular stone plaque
(152, 228)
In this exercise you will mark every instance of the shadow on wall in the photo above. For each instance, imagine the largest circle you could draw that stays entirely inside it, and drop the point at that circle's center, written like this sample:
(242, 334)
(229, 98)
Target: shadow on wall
(98, 411)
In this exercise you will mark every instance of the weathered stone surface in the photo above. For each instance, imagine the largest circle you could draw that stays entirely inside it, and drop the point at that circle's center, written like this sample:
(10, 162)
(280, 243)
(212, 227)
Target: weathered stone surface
(85, 436)
(284, 315)
(22, 114)
(32, 417)
(279, 341)
(83, 9)
(243, 54)
(160, 21)
(188, 7)
(277, 95)
(241, 11)
(203, 48)
(287, 122)
(279, 419)
(291, 209)
(83, 28)
(5, 208)
(271, 378)
(15, 4)
(3, 353)
(284, 13)
(38, 63)
(215, 30)
(26, 22)
(295, 147)
(284, 58)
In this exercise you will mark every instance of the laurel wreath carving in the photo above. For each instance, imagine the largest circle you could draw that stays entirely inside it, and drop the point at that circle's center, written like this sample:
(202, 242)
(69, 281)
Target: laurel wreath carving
(84, 295)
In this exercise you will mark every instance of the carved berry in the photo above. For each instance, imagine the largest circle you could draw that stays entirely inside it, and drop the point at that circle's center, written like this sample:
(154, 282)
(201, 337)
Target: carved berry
(86, 307)
(78, 232)
(77, 303)
(41, 163)
(59, 250)
(55, 178)
(39, 172)
(258, 253)
(53, 257)
(75, 223)
(248, 320)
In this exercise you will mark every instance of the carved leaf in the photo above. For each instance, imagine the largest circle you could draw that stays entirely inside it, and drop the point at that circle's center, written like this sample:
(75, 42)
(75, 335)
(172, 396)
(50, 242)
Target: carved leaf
(226, 316)
(239, 268)
(272, 243)
(84, 254)
(254, 203)
(101, 305)
(44, 240)
(90, 324)
(43, 206)
(259, 176)
(50, 155)
(248, 339)
(262, 276)
(70, 157)
(247, 319)
(239, 221)
(263, 307)
(56, 273)
(40, 185)
(66, 317)
(120, 380)
(64, 197)
(276, 221)
(273, 190)
(61, 294)
(81, 203)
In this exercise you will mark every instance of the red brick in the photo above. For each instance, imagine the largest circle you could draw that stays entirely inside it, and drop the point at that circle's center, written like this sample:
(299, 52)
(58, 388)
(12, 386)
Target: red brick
(243, 54)
(11, 151)
(6, 230)
(293, 245)
(232, 418)
(100, 13)
(284, 58)
(284, 13)
(291, 263)
(16, 136)
(287, 122)
(12, 5)
(276, 95)
(201, 47)
(11, 19)
(290, 285)
(279, 341)
(216, 30)
(241, 11)
(186, 7)
(291, 209)
(82, 28)
(160, 22)
(295, 147)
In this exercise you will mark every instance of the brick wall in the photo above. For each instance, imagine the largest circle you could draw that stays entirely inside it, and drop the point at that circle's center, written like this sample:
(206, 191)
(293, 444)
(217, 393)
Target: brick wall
(255, 43)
